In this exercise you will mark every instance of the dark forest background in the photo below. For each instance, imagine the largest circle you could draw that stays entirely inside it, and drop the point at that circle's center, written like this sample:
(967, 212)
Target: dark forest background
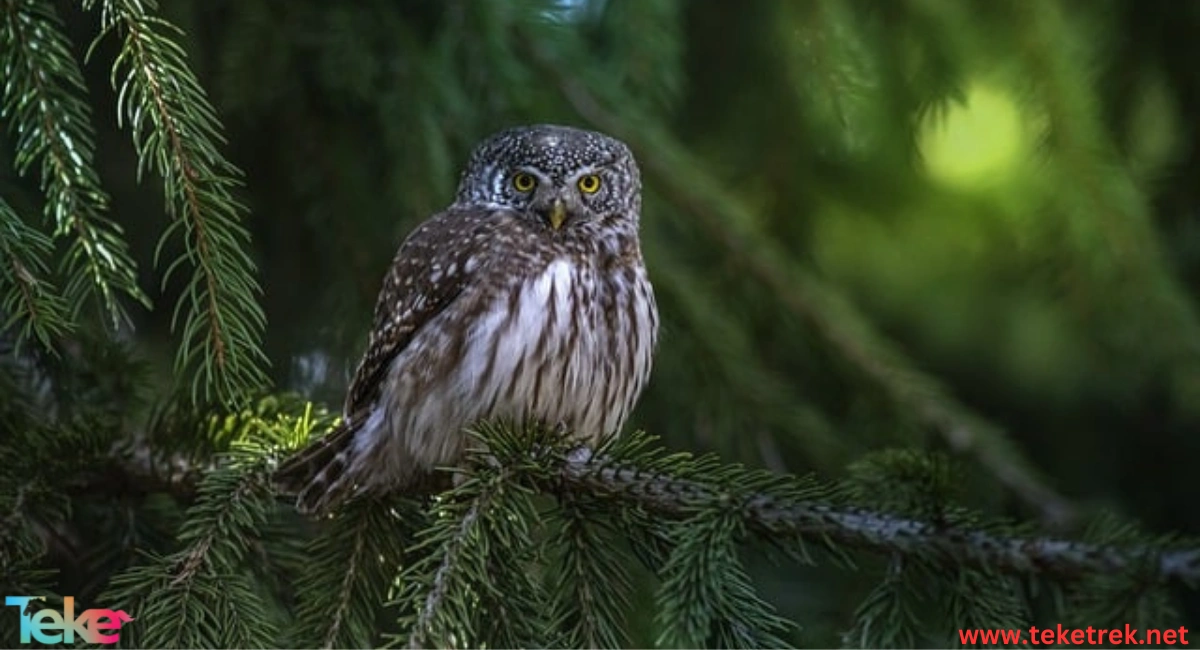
(964, 228)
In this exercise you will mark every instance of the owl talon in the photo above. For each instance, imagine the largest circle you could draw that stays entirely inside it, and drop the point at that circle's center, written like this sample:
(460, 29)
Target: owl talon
(580, 455)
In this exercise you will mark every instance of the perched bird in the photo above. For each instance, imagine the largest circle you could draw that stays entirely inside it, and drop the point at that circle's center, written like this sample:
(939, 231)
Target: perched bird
(526, 300)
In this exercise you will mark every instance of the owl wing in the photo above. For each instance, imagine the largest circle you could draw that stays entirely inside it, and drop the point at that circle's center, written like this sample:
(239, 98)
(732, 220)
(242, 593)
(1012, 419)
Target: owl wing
(430, 270)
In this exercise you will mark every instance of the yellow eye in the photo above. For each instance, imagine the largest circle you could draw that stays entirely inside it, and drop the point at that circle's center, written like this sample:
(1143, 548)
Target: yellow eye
(524, 182)
(589, 184)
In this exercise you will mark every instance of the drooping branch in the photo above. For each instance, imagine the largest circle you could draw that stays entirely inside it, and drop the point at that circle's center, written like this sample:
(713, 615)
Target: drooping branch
(177, 134)
(51, 124)
(419, 635)
(27, 298)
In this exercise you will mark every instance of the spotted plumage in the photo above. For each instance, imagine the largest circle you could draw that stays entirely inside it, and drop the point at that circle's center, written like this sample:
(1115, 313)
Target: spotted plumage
(525, 300)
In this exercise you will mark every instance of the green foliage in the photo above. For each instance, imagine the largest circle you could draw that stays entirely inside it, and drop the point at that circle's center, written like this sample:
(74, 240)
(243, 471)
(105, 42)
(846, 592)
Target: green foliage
(198, 589)
(889, 616)
(706, 595)
(345, 573)
(590, 590)
(29, 299)
(51, 122)
(1118, 599)
(941, 253)
(468, 566)
(207, 593)
(1002, 605)
(176, 134)
(474, 583)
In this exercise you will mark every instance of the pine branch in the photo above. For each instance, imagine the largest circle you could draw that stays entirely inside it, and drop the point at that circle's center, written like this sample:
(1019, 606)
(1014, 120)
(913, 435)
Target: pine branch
(471, 584)
(182, 594)
(211, 609)
(423, 627)
(226, 499)
(350, 567)
(25, 297)
(1112, 246)
(52, 125)
(981, 601)
(591, 582)
(887, 617)
(779, 507)
(834, 65)
(341, 610)
(1118, 599)
(936, 543)
(141, 467)
(176, 132)
(706, 594)
(832, 316)
(177, 448)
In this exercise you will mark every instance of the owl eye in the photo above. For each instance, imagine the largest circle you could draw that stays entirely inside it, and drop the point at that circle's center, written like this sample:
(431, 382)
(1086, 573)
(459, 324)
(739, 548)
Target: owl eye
(524, 182)
(589, 184)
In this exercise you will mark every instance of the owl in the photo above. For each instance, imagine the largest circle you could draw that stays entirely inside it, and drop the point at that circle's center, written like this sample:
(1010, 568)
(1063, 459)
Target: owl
(526, 300)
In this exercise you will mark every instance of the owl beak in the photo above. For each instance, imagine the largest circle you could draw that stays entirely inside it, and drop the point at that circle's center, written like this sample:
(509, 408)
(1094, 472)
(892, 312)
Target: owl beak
(558, 214)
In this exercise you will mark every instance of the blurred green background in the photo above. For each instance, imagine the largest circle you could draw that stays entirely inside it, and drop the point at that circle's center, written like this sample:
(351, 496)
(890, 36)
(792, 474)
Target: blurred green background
(951, 225)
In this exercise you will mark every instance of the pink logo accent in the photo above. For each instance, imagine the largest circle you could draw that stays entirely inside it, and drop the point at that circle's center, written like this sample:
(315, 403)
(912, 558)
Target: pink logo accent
(48, 626)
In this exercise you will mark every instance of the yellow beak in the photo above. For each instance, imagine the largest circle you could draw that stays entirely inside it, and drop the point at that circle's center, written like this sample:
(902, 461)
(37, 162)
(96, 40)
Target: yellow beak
(558, 214)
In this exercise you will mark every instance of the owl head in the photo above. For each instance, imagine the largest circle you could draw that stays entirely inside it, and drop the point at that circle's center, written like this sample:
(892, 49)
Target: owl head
(562, 178)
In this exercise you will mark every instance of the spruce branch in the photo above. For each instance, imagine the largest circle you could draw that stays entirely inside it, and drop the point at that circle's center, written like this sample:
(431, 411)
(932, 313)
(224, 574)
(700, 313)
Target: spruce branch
(420, 634)
(180, 594)
(348, 570)
(887, 617)
(1112, 244)
(471, 584)
(629, 472)
(836, 68)
(342, 609)
(980, 601)
(790, 513)
(590, 580)
(176, 132)
(832, 316)
(142, 466)
(52, 124)
(25, 297)
(231, 498)
(1118, 598)
(706, 594)
(211, 609)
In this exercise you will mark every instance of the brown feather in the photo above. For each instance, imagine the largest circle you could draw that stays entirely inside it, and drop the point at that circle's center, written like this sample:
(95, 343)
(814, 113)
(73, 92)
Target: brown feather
(490, 311)
(305, 466)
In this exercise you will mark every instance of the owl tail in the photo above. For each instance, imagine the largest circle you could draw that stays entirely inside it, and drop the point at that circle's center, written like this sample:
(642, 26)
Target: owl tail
(317, 473)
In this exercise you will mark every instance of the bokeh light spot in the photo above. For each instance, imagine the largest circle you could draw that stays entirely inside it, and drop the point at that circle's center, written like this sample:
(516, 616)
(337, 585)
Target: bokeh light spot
(974, 144)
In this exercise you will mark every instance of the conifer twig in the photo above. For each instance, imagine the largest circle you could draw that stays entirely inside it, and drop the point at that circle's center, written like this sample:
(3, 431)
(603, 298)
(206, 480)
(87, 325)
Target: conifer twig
(437, 592)
(341, 611)
(44, 98)
(176, 133)
(26, 297)
(880, 532)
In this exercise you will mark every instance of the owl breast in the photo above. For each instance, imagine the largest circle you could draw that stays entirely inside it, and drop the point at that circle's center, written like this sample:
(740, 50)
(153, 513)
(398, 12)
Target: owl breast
(569, 346)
